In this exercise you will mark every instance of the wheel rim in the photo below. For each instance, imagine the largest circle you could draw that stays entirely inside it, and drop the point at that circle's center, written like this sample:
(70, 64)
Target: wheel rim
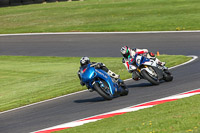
(105, 88)
(154, 76)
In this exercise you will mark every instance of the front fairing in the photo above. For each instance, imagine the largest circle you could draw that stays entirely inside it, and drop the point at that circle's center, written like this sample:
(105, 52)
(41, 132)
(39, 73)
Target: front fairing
(143, 63)
(103, 75)
(141, 60)
(87, 73)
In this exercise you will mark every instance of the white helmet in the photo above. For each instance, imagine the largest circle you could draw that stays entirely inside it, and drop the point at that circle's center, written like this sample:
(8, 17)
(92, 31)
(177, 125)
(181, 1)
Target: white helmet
(125, 51)
(84, 60)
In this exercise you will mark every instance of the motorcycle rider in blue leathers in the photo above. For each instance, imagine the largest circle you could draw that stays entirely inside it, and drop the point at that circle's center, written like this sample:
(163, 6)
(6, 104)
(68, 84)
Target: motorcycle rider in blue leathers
(85, 60)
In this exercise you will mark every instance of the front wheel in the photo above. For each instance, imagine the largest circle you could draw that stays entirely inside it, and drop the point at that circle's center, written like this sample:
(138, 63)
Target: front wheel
(124, 89)
(151, 79)
(103, 90)
(167, 76)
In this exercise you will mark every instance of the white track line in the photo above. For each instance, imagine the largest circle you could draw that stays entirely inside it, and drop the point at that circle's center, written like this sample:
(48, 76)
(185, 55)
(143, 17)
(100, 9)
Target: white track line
(193, 58)
(119, 112)
(93, 33)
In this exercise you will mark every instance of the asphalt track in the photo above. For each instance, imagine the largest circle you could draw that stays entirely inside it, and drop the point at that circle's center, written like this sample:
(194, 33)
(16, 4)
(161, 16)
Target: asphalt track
(87, 104)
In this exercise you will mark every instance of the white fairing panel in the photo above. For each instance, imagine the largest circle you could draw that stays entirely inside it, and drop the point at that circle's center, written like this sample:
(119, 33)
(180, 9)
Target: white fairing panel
(151, 63)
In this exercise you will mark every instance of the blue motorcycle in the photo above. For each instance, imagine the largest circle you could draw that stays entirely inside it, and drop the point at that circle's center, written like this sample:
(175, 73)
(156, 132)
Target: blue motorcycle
(99, 81)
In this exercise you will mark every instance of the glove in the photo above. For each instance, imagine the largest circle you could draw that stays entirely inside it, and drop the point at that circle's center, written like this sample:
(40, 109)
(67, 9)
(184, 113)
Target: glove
(82, 83)
(131, 60)
(98, 65)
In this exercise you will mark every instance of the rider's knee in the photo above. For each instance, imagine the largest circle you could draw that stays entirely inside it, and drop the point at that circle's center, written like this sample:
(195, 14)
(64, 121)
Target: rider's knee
(135, 75)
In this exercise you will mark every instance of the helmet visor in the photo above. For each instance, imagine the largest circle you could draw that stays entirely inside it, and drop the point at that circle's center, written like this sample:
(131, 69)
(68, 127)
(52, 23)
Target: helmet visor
(127, 54)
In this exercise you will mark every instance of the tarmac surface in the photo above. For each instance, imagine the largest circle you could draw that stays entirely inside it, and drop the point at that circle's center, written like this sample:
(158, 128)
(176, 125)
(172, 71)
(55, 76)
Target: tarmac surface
(87, 103)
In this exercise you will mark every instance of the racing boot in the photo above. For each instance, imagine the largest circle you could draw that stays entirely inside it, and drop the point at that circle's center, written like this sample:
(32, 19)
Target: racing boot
(159, 62)
(152, 56)
(89, 89)
(113, 75)
(162, 64)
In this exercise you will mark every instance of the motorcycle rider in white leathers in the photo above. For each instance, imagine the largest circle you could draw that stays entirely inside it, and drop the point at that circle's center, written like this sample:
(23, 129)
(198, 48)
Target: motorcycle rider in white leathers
(128, 55)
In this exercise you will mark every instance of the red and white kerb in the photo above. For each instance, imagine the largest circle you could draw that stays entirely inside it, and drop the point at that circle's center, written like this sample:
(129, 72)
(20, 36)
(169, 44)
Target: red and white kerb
(119, 112)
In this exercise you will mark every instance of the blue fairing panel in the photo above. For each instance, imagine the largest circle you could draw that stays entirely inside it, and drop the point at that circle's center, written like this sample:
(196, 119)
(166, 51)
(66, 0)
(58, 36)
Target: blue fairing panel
(103, 75)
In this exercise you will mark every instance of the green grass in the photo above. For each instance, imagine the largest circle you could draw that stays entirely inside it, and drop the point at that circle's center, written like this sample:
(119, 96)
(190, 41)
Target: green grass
(182, 116)
(26, 79)
(102, 15)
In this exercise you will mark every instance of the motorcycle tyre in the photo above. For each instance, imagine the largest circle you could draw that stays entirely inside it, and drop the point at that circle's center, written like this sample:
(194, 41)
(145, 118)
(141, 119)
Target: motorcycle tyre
(168, 77)
(149, 78)
(102, 93)
(124, 90)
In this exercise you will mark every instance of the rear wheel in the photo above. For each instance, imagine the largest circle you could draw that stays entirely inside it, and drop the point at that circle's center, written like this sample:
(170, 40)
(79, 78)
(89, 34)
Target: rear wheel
(103, 90)
(151, 78)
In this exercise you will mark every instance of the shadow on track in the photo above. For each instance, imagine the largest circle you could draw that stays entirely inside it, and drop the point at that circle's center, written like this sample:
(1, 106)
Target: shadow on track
(144, 84)
(101, 99)
(140, 85)
(96, 99)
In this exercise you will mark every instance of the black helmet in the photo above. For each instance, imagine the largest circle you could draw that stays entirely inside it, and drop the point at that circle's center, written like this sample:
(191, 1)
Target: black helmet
(84, 60)
(125, 51)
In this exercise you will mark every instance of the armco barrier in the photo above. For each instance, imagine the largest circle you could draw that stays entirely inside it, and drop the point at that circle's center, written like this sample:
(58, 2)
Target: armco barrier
(4, 2)
(51, 0)
(24, 2)
(38, 1)
(15, 2)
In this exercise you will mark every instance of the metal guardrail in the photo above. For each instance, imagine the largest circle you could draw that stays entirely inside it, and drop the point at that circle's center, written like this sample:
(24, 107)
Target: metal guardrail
(4, 3)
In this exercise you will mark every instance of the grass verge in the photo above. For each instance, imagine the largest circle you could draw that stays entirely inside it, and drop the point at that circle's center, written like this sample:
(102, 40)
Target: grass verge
(180, 116)
(25, 79)
(102, 15)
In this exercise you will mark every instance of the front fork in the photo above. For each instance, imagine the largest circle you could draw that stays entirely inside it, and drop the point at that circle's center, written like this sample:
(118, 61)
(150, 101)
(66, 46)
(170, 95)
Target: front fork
(136, 75)
(104, 87)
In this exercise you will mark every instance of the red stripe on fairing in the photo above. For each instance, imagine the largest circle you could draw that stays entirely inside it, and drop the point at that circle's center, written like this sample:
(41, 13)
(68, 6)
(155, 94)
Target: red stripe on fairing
(103, 116)
(141, 52)
(84, 70)
(127, 65)
(154, 103)
(195, 91)
(131, 60)
(52, 130)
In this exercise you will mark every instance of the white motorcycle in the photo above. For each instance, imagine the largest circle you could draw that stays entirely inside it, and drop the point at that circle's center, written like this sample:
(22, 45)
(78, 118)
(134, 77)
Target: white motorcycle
(148, 69)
